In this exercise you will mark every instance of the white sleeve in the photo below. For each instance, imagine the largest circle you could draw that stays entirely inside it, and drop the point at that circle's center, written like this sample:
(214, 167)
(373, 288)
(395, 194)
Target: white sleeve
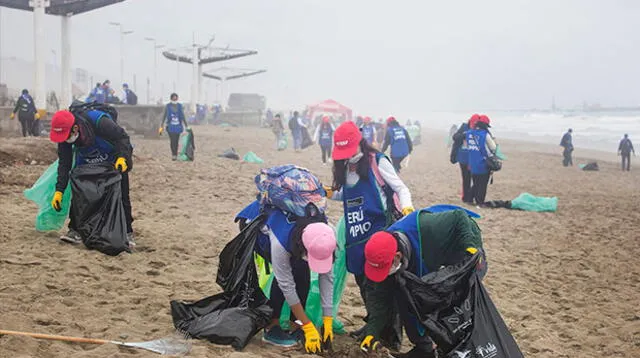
(316, 135)
(281, 265)
(301, 122)
(390, 177)
(491, 144)
(337, 195)
(325, 281)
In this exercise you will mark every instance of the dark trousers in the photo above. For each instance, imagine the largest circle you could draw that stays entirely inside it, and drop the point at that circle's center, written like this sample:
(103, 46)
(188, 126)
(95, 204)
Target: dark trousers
(626, 159)
(466, 183)
(396, 163)
(26, 122)
(412, 326)
(567, 160)
(175, 140)
(479, 187)
(326, 153)
(301, 277)
(126, 204)
(391, 335)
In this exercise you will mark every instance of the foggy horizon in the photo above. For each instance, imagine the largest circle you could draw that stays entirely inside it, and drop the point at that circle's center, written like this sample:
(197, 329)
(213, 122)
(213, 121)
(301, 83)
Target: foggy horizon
(402, 58)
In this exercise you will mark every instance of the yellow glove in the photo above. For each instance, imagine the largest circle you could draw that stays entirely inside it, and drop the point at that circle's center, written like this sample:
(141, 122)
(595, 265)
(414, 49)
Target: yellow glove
(329, 191)
(56, 203)
(472, 250)
(12, 116)
(37, 116)
(160, 130)
(408, 210)
(327, 332)
(121, 165)
(369, 344)
(311, 338)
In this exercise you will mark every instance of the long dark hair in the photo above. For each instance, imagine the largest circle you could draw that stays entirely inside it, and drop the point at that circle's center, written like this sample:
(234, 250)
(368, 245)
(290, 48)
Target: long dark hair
(340, 166)
(312, 215)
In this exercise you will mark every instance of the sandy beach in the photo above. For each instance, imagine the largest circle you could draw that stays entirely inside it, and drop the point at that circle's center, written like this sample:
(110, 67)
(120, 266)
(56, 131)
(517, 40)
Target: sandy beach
(566, 283)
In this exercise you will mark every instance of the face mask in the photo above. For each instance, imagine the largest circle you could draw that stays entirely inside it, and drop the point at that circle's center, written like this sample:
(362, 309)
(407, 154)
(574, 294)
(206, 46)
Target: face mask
(174, 102)
(356, 158)
(395, 268)
(73, 138)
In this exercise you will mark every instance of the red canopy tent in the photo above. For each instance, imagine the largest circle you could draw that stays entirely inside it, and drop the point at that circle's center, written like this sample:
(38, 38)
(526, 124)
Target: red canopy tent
(330, 106)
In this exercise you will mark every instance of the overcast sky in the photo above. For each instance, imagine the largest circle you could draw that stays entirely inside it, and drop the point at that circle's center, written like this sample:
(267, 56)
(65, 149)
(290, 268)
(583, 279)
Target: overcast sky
(377, 56)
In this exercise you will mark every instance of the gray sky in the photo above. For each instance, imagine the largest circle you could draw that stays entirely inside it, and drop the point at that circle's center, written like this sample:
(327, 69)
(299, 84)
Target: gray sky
(378, 57)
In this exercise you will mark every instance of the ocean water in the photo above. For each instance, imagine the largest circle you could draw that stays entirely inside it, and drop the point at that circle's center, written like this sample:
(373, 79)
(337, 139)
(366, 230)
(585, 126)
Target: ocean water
(593, 130)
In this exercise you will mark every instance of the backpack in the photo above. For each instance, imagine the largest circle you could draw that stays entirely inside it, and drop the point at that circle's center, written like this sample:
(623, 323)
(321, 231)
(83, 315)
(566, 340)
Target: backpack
(394, 212)
(132, 98)
(81, 109)
(290, 188)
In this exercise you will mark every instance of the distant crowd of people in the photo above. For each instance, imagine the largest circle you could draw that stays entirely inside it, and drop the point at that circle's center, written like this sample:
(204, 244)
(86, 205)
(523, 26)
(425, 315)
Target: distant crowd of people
(103, 93)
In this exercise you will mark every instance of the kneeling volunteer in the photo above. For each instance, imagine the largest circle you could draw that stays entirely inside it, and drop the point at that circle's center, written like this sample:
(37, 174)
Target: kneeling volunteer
(421, 242)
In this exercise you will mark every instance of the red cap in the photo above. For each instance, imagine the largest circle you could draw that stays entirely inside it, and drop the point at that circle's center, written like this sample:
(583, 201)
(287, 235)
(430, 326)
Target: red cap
(483, 118)
(367, 119)
(61, 124)
(346, 140)
(391, 119)
(325, 119)
(473, 120)
(379, 253)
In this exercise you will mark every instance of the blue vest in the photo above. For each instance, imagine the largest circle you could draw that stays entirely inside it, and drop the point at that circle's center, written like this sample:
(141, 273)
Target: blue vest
(281, 225)
(250, 212)
(326, 136)
(100, 151)
(364, 215)
(399, 144)
(476, 146)
(175, 117)
(463, 154)
(410, 226)
(367, 133)
(100, 95)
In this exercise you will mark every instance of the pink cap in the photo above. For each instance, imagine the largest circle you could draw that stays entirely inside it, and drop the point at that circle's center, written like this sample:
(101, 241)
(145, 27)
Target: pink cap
(320, 242)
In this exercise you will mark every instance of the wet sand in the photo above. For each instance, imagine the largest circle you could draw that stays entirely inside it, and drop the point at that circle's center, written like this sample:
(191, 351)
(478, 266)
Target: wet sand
(566, 283)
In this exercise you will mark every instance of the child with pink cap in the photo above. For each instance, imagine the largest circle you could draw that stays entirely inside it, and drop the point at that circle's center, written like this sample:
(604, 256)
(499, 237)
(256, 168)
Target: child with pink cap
(294, 246)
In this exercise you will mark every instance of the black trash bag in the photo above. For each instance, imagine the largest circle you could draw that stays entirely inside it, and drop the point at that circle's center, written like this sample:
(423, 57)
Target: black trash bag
(97, 212)
(236, 315)
(591, 167)
(236, 267)
(496, 204)
(458, 313)
(230, 154)
(306, 138)
(219, 321)
(191, 146)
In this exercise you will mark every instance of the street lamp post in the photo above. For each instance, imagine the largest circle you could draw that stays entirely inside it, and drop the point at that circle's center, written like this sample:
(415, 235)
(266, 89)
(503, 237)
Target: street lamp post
(156, 47)
(122, 33)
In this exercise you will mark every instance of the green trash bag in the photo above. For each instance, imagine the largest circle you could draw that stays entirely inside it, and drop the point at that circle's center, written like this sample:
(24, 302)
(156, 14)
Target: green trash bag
(313, 307)
(251, 157)
(528, 202)
(283, 142)
(42, 193)
(187, 147)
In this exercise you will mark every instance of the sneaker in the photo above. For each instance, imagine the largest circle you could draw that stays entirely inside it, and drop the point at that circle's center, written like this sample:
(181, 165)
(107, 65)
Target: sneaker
(174, 157)
(277, 337)
(130, 240)
(71, 237)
